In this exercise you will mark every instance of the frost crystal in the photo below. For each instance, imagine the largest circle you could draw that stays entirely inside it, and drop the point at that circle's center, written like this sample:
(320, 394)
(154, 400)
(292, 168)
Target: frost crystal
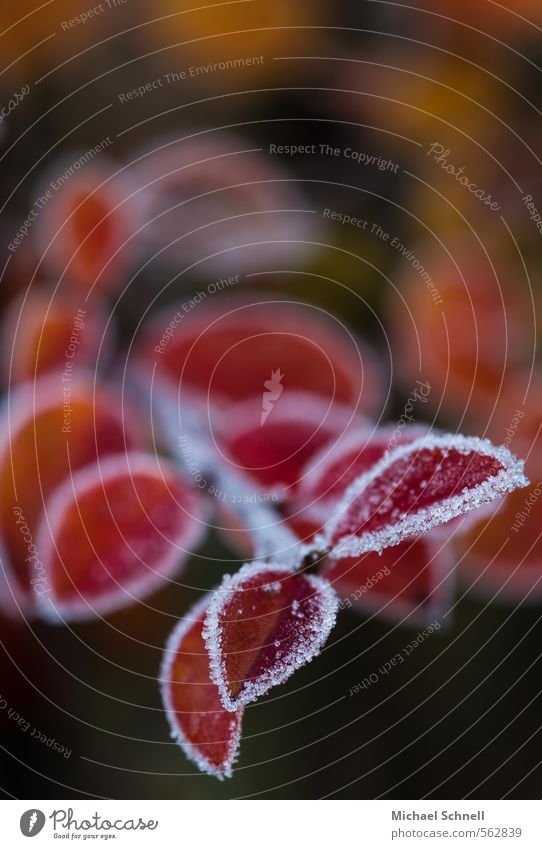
(276, 634)
(388, 504)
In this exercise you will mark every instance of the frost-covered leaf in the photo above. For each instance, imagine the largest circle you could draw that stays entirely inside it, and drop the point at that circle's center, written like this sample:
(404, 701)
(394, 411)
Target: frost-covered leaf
(112, 533)
(420, 485)
(228, 349)
(48, 429)
(208, 734)
(327, 475)
(262, 624)
(273, 454)
(412, 580)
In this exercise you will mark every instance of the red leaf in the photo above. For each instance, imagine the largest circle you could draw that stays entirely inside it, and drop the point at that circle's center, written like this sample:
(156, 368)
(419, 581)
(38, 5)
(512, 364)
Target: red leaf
(262, 624)
(502, 555)
(465, 347)
(209, 200)
(207, 733)
(274, 453)
(226, 353)
(420, 485)
(411, 580)
(112, 533)
(42, 331)
(88, 225)
(49, 429)
(328, 473)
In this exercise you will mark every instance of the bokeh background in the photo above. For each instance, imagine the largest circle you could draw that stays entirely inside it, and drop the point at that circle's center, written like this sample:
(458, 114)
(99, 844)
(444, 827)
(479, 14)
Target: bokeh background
(432, 115)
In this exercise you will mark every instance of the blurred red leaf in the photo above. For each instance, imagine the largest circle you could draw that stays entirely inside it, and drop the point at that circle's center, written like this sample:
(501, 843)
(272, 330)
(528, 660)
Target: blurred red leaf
(502, 554)
(50, 428)
(212, 200)
(112, 533)
(43, 331)
(226, 353)
(88, 223)
(411, 580)
(274, 453)
(466, 347)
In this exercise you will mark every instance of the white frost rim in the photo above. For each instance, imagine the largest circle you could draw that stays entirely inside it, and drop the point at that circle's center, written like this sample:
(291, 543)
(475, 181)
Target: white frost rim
(212, 632)
(170, 651)
(511, 477)
(50, 607)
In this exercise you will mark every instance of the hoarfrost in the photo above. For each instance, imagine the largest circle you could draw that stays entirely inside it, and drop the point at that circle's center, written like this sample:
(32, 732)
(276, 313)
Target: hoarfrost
(300, 626)
(369, 518)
